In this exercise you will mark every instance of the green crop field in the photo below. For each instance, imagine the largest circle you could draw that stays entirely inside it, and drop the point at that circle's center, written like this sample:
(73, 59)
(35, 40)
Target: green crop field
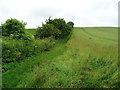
(88, 59)
(31, 31)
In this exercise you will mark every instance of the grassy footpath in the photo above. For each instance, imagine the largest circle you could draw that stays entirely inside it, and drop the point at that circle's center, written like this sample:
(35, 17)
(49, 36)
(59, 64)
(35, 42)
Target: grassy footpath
(84, 61)
(26, 73)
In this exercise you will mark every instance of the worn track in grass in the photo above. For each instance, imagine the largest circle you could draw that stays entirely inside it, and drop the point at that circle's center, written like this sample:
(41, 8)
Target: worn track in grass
(80, 63)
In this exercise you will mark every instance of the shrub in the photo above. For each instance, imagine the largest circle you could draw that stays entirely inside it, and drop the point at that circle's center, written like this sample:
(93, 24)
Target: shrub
(61, 25)
(14, 50)
(71, 24)
(56, 28)
(47, 30)
(13, 27)
(26, 36)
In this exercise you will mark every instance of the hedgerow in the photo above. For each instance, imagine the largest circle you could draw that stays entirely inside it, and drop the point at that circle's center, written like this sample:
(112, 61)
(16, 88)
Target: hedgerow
(57, 28)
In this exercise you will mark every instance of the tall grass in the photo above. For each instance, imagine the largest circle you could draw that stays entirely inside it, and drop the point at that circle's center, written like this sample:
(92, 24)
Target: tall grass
(80, 62)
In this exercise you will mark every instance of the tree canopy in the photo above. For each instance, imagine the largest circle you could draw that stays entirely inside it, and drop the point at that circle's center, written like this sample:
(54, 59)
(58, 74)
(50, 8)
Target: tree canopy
(13, 27)
(57, 28)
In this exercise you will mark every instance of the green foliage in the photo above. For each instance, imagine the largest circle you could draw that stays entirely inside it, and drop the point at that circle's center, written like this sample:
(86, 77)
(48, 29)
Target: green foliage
(56, 28)
(16, 50)
(79, 63)
(70, 23)
(13, 27)
(47, 30)
(61, 25)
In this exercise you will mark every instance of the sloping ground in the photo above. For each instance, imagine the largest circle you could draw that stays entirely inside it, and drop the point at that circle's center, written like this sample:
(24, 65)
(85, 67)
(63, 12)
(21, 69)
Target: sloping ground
(86, 60)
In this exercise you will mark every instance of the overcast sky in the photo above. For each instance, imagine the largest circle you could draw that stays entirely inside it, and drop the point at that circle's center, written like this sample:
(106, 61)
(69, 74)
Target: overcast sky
(83, 13)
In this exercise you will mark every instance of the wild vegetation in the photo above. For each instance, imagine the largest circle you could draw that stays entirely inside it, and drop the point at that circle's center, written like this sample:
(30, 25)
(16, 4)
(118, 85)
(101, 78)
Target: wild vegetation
(18, 43)
(86, 58)
(57, 28)
(13, 28)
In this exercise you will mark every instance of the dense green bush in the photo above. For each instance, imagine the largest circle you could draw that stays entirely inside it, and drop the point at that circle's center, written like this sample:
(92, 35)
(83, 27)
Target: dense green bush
(26, 36)
(17, 44)
(70, 23)
(57, 28)
(13, 27)
(16, 50)
(47, 30)
(61, 25)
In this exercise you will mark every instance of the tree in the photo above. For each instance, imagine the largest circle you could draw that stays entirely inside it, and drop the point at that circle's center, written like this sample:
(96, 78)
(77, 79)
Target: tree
(61, 25)
(70, 23)
(47, 30)
(13, 27)
(57, 28)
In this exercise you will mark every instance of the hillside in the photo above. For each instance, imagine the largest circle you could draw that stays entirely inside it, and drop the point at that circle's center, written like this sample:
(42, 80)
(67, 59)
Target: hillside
(88, 59)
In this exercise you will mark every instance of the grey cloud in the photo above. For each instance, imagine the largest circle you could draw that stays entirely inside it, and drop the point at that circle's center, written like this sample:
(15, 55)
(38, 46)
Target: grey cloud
(44, 12)
(97, 12)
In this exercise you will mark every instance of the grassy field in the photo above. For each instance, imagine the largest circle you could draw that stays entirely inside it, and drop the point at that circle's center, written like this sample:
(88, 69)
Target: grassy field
(31, 31)
(89, 59)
